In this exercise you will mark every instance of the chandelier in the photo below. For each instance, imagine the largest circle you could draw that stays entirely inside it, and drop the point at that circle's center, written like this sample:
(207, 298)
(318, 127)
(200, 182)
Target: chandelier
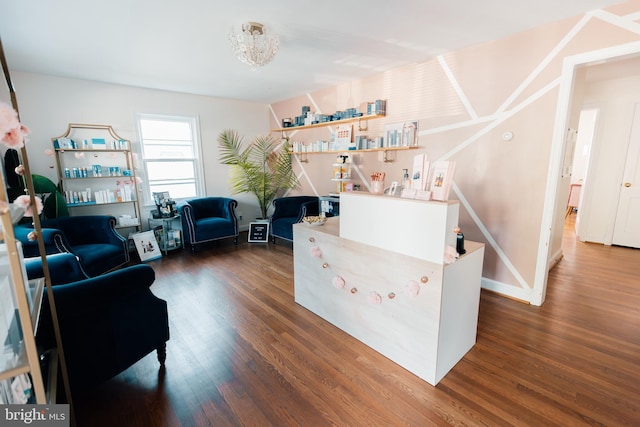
(254, 46)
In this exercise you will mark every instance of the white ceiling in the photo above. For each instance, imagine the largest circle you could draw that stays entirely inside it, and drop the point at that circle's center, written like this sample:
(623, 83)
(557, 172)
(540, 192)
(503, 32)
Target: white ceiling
(183, 46)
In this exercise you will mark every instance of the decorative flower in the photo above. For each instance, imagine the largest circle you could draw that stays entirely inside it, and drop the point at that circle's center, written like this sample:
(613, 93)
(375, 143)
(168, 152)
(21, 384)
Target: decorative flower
(338, 282)
(12, 132)
(49, 152)
(316, 252)
(19, 170)
(24, 202)
(374, 298)
(32, 236)
(79, 155)
(138, 180)
(450, 255)
(413, 288)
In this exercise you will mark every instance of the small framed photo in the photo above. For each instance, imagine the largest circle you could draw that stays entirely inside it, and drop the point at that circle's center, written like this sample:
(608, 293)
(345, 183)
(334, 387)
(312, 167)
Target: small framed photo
(147, 246)
(259, 232)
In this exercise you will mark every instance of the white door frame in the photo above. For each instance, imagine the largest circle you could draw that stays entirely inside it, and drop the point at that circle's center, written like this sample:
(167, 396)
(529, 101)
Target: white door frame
(554, 175)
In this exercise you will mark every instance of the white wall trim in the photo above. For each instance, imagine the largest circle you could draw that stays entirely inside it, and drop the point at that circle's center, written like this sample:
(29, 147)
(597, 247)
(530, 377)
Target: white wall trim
(506, 289)
(456, 86)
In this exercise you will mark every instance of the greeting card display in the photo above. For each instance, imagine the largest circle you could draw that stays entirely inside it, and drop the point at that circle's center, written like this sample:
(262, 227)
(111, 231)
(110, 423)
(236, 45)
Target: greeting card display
(419, 178)
(441, 179)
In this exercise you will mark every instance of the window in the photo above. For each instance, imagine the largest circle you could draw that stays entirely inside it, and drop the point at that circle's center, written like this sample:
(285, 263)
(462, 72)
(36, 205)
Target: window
(171, 155)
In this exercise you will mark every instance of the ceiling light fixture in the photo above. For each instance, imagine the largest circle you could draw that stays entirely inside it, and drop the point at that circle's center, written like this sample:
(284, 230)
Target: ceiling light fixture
(254, 46)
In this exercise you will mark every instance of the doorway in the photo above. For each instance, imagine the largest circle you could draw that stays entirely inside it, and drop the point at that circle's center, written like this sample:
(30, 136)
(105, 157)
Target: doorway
(555, 202)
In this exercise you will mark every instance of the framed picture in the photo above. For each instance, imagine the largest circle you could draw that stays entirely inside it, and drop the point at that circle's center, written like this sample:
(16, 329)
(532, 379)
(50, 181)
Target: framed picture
(419, 177)
(441, 179)
(147, 245)
(259, 232)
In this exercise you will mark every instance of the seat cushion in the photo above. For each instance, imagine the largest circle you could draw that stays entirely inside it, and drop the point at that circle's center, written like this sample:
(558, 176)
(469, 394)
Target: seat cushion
(97, 258)
(213, 228)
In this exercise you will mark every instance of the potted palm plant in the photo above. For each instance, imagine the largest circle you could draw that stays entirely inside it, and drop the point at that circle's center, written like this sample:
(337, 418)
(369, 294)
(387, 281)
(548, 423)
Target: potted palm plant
(261, 168)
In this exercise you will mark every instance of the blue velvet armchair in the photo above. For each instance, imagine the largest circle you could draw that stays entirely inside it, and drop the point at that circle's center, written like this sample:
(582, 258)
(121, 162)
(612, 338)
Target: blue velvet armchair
(208, 218)
(93, 239)
(107, 323)
(289, 211)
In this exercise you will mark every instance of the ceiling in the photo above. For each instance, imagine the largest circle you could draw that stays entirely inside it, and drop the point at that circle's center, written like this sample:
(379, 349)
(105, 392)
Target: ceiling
(183, 45)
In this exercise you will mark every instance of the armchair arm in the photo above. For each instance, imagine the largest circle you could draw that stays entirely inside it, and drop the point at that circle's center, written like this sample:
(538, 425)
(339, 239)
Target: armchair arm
(53, 239)
(63, 268)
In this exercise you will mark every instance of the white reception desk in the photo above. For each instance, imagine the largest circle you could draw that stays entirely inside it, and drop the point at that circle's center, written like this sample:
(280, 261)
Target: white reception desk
(378, 273)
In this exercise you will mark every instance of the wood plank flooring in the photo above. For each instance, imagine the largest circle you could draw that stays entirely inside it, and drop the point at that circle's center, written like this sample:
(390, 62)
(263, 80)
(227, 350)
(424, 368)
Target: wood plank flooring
(242, 353)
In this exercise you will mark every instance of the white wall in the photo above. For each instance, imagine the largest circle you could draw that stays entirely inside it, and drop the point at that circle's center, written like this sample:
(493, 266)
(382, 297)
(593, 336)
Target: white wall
(586, 130)
(616, 99)
(48, 104)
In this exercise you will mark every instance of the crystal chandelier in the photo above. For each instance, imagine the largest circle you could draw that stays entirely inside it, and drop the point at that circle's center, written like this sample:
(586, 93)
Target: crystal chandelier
(254, 45)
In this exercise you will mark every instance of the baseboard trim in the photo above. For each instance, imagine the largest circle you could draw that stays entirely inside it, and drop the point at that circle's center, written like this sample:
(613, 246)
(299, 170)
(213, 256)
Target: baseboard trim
(506, 290)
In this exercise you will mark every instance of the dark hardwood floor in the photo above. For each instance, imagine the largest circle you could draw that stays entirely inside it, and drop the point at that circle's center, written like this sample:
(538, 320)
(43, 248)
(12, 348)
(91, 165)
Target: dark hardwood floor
(242, 353)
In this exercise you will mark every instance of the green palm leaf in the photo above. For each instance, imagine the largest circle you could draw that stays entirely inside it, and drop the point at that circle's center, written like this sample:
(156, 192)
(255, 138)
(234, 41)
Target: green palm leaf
(261, 168)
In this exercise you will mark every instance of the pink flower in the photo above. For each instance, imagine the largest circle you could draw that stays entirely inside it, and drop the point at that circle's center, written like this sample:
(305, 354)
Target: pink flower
(25, 203)
(12, 132)
(316, 252)
(138, 180)
(8, 118)
(338, 282)
(450, 255)
(49, 152)
(413, 288)
(79, 155)
(32, 236)
(19, 170)
(374, 298)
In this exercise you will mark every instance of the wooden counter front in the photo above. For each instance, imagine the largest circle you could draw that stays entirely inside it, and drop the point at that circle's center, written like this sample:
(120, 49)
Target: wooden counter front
(420, 314)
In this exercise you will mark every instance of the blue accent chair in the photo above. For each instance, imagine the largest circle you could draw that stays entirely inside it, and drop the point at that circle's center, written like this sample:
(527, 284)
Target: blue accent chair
(289, 211)
(93, 239)
(107, 323)
(207, 219)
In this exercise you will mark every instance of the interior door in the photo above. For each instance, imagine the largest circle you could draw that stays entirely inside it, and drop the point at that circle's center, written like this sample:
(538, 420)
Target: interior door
(627, 227)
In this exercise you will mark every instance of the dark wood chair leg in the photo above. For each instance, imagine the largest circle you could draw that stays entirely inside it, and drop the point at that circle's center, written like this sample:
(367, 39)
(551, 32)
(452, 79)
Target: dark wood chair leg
(162, 353)
(235, 240)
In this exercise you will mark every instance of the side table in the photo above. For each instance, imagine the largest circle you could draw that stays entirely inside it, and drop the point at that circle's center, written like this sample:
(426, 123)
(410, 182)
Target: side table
(170, 234)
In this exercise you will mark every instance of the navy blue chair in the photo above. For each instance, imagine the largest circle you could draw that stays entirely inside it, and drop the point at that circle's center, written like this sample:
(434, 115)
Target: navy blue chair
(289, 211)
(107, 323)
(93, 239)
(207, 219)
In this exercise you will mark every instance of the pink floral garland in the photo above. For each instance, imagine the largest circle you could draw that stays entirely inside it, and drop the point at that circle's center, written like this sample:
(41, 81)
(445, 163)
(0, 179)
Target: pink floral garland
(412, 287)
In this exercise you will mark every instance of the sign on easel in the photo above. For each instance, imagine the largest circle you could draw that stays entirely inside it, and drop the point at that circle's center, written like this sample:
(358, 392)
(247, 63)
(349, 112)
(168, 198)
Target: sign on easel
(147, 246)
(258, 232)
